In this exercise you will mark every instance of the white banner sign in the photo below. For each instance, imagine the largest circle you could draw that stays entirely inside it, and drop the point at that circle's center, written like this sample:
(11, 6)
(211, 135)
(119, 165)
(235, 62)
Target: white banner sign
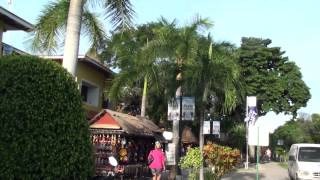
(206, 127)
(174, 110)
(251, 101)
(254, 132)
(216, 127)
(188, 109)
(170, 155)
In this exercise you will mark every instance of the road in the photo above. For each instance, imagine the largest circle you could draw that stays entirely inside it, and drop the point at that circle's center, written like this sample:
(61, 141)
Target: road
(268, 171)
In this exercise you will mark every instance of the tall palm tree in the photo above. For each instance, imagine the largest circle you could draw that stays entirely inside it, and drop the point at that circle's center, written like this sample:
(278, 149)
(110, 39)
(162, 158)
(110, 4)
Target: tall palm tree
(205, 69)
(75, 17)
(213, 78)
(180, 45)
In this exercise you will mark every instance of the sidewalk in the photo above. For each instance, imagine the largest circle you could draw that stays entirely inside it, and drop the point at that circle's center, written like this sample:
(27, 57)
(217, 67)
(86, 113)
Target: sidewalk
(267, 171)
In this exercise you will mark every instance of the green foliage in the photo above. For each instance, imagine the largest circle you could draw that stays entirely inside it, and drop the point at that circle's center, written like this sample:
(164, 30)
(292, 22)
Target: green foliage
(293, 132)
(43, 132)
(271, 77)
(192, 160)
(237, 136)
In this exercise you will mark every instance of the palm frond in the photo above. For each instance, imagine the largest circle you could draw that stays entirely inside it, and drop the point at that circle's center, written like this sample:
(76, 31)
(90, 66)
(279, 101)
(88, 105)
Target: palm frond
(93, 28)
(50, 27)
(120, 12)
(122, 80)
(200, 23)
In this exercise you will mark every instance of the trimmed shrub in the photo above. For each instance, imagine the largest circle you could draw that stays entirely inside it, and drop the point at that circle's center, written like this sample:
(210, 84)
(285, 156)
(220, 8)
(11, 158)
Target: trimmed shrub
(43, 130)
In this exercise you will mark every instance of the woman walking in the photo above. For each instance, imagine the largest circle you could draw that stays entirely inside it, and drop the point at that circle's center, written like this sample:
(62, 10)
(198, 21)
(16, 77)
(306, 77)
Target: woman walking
(156, 159)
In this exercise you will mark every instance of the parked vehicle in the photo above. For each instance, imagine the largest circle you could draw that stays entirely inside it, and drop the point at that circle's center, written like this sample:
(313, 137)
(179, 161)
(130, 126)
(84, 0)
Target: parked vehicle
(304, 161)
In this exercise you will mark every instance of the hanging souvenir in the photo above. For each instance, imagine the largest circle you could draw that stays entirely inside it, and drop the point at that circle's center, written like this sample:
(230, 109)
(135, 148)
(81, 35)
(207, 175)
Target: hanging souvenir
(119, 139)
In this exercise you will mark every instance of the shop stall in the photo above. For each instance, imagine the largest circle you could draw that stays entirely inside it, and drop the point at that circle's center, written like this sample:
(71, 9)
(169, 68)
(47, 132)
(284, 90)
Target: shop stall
(122, 143)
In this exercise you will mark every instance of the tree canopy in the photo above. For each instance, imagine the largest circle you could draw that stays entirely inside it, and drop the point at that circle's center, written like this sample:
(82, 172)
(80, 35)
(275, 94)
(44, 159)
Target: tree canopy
(269, 75)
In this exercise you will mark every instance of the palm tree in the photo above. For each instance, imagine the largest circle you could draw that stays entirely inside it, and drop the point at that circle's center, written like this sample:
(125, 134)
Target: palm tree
(126, 50)
(209, 69)
(52, 25)
(214, 79)
(180, 45)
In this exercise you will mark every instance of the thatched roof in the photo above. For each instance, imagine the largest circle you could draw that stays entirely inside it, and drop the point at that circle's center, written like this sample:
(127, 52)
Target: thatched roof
(128, 124)
(188, 136)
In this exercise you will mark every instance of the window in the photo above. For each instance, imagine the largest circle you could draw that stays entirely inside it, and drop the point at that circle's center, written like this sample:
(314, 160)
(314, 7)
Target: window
(89, 93)
(309, 154)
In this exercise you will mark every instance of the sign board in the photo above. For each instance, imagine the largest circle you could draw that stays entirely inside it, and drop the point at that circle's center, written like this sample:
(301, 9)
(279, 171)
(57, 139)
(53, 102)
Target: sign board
(251, 101)
(216, 127)
(174, 110)
(254, 132)
(170, 155)
(188, 109)
(206, 127)
(280, 142)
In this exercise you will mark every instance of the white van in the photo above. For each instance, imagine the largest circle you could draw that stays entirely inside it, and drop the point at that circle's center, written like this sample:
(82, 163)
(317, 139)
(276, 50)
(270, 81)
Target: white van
(304, 161)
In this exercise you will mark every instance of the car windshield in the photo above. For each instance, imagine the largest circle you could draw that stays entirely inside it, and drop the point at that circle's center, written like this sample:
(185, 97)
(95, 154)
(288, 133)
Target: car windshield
(309, 154)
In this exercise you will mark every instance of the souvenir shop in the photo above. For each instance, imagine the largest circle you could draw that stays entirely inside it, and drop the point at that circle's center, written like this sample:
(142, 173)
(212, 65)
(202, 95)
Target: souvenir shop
(122, 143)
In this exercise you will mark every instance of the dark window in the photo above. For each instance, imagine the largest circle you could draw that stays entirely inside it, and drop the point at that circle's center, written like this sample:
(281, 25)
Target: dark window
(84, 93)
(309, 154)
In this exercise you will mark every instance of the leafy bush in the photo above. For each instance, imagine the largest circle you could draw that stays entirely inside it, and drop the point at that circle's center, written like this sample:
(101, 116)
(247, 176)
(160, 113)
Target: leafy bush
(221, 159)
(43, 132)
(192, 160)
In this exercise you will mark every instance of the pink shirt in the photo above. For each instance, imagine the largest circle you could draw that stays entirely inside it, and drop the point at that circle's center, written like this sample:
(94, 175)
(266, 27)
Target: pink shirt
(158, 159)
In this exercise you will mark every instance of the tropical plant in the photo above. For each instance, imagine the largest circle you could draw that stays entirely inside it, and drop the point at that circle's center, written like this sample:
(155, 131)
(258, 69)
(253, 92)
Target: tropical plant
(192, 161)
(138, 68)
(237, 136)
(52, 25)
(43, 132)
(220, 159)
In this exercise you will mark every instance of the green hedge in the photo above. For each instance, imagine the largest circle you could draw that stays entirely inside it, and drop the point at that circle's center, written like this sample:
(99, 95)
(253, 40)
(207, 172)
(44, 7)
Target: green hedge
(43, 130)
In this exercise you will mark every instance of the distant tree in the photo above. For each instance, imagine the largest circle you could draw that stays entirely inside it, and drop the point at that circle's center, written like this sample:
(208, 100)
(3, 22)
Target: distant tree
(293, 132)
(304, 116)
(315, 117)
(267, 74)
(315, 128)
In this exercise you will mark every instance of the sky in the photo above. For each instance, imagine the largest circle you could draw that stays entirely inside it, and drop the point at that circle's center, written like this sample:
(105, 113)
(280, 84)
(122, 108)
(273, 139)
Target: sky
(293, 25)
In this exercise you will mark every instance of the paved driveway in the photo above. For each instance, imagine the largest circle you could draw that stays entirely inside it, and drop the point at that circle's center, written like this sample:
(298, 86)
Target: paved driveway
(268, 171)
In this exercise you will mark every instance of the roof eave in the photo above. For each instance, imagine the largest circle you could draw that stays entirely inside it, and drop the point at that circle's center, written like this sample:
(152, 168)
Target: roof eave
(14, 22)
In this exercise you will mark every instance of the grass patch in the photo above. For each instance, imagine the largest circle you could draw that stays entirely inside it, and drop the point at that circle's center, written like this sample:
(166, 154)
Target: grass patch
(284, 164)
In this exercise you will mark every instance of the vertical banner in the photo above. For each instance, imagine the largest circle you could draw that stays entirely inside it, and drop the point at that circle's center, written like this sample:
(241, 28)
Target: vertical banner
(216, 127)
(206, 127)
(174, 109)
(188, 109)
(252, 112)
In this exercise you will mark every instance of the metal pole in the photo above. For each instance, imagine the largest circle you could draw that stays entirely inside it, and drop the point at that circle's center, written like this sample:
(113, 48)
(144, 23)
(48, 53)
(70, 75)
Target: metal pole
(179, 139)
(247, 146)
(258, 153)
(247, 137)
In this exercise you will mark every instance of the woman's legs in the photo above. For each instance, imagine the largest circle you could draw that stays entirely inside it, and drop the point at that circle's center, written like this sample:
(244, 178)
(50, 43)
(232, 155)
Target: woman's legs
(158, 177)
(154, 177)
